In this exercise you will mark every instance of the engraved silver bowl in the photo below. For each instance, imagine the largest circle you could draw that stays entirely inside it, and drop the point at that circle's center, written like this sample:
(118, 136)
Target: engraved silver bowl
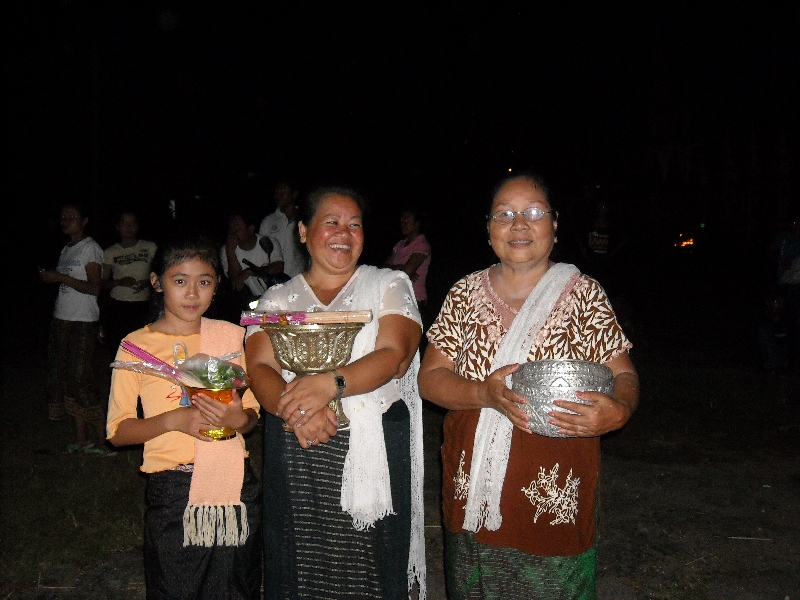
(314, 348)
(542, 381)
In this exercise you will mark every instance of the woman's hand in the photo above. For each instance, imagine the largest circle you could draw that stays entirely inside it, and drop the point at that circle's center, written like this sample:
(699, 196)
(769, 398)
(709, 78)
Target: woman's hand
(220, 414)
(304, 397)
(318, 430)
(601, 415)
(495, 394)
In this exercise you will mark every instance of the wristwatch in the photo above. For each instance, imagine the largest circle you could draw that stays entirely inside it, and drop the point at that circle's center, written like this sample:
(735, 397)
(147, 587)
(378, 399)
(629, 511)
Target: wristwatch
(341, 384)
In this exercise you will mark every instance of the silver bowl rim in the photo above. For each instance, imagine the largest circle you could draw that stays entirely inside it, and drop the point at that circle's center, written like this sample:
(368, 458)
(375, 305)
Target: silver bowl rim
(560, 361)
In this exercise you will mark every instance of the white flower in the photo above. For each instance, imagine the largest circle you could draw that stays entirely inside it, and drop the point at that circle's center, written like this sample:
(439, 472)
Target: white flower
(270, 304)
(407, 298)
(348, 301)
(292, 297)
(562, 502)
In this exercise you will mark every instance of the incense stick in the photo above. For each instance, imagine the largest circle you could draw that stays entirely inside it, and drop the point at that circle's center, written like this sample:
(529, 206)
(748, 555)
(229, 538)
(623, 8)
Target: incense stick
(306, 318)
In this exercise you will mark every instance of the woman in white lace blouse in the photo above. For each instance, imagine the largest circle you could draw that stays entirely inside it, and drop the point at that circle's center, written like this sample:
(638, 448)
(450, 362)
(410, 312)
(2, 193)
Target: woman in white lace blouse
(343, 509)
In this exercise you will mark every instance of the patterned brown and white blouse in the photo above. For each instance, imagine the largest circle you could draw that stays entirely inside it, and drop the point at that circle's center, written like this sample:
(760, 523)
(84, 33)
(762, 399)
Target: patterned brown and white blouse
(548, 501)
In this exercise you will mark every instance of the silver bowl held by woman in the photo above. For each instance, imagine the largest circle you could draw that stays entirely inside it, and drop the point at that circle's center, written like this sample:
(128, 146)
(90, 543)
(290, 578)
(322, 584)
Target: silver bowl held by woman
(307, 349)
(541, 382)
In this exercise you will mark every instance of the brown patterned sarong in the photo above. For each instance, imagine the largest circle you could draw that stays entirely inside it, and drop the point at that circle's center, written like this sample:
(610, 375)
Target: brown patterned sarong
(72, 381)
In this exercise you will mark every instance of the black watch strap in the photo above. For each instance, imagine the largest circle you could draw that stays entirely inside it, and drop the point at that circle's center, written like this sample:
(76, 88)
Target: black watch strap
(341, 384)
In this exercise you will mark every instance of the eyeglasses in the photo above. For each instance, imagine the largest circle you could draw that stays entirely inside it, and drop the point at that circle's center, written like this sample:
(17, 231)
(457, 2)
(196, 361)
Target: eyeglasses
(531, 214)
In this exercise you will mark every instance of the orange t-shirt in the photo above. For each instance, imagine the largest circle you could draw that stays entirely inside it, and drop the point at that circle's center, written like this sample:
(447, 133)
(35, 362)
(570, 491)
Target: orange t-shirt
(159, 395)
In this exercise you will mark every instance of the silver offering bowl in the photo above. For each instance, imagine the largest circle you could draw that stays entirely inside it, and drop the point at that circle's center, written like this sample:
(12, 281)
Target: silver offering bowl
(307, 349)
(542, 381)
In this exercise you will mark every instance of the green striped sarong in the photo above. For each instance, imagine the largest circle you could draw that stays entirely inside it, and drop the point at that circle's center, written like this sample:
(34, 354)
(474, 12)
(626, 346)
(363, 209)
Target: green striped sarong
(475, 571)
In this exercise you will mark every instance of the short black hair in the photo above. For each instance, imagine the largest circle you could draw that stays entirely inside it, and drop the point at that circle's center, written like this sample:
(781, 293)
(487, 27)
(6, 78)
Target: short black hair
(534, 178)
(309, 208)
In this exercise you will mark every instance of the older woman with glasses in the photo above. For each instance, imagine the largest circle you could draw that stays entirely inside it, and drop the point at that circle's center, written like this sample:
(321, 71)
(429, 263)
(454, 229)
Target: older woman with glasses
(520, 509)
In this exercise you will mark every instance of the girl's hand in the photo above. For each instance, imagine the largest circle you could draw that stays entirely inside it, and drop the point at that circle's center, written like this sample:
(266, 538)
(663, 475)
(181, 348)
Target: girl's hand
(219, 414)
(50, 276)
(318, 430)
(190, 421)
(304, 397)
(495, 394)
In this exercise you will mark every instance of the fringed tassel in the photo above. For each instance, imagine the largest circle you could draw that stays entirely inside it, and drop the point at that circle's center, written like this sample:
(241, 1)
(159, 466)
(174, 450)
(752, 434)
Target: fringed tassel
(209, 525)
(245, 528)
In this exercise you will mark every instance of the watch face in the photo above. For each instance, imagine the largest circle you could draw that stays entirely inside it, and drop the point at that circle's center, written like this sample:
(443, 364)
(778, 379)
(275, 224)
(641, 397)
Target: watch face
(340, 383)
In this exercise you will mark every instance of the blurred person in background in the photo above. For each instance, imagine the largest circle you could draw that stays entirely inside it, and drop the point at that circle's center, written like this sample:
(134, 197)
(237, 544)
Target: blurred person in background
(281, 226)
(73, 345)
(251, 262)
(412, 255)
(126, 278)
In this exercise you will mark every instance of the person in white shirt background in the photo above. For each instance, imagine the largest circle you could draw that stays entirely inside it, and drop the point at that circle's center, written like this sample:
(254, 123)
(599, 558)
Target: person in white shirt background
(72, 377)
(251, 262)
(281, 225)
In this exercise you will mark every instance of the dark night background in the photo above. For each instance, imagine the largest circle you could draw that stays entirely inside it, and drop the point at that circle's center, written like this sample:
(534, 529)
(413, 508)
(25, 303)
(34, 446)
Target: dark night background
(685, 115)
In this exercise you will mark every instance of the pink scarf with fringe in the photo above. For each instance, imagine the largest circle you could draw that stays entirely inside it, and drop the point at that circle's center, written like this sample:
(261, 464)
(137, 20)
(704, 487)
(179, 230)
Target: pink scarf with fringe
(210, 517)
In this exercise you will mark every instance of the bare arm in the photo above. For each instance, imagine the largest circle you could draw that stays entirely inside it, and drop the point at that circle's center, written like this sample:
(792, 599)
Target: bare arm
(440, 384)
(90, 286)
(107, 281)
(138, 431)
(264, 371)
(410, 266)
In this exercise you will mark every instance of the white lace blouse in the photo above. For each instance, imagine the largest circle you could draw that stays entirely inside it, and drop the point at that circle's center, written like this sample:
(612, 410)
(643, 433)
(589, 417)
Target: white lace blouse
(296, 295)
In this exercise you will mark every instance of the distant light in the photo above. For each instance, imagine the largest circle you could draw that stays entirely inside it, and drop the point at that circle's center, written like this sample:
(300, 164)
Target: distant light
(509, 170)
(685, 241)
(702, 225)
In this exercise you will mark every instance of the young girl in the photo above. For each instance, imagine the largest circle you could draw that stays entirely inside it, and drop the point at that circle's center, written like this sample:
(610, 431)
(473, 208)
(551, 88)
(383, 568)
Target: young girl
(203, 520)
(73, 344)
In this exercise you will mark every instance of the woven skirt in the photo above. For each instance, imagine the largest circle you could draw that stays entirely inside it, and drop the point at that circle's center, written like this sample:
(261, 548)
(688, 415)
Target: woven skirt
(73, 356)
(173, 571)
(476, 571)
(311, 547)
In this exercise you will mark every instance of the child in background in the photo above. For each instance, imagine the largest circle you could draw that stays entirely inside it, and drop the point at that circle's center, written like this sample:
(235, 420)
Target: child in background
(126, 278)
(218, 554)
(73, 347)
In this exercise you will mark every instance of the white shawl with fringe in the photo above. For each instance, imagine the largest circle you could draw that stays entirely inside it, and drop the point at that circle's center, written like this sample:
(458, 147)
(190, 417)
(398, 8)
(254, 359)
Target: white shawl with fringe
(493, 432)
